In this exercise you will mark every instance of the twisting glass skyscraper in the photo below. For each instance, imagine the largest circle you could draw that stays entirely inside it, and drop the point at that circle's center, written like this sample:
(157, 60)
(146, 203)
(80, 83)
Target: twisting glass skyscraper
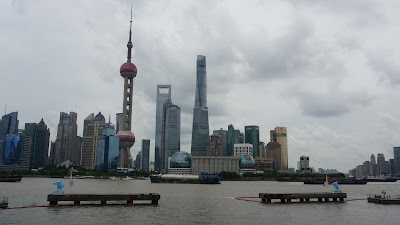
(200, 129)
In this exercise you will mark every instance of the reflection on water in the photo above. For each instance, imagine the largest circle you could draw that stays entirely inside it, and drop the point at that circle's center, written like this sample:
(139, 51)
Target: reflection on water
(195, 204)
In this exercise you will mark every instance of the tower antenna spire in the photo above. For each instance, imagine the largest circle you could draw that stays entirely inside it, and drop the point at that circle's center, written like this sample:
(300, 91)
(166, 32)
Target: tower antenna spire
(130, 39)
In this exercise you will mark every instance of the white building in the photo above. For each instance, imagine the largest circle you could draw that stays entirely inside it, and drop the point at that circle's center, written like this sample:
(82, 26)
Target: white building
(240, 149)
(304, 163)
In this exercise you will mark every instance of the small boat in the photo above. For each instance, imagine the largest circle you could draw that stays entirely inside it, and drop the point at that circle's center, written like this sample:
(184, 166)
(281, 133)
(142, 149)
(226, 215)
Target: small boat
(10, 178)
(384, 199)
(386, 179)
(203, 178)
(4, 203)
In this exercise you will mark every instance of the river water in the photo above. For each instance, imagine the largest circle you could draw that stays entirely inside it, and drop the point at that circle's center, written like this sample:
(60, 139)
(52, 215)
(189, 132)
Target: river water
(195, 204)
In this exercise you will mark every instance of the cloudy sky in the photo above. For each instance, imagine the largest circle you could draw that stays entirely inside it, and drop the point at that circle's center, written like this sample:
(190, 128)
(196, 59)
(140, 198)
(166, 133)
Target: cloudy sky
(327, 70)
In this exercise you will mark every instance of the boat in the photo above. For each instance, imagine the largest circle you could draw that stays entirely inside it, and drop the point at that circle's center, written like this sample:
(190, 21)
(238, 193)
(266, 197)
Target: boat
(4, 203)
(10, 178)
(203, 178)
(384, 199)
(339, 181)
(386, 179)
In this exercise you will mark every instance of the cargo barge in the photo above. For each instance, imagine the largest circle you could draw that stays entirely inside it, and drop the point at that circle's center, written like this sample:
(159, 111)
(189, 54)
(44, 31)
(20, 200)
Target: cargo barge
(340, 181)
(203, 178)
(10, 178)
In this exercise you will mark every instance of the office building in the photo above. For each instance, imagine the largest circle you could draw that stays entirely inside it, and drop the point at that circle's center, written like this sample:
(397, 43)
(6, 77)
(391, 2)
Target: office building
(305, 164)
(93, 131)
(17, 152)
(40, 143)
(66, 146)
(163, 94)
(223, 138)
(214, 146)
(252, 136)
(138, 160)
(107, 149)
(241, 149)
(145, 157)
(396, 154)
(214, 164)
(281, 138)
(233, 137)
(392, 167)
(170, 132)
(381, 164)
(200, 128)
(273, 151)
(118, 122)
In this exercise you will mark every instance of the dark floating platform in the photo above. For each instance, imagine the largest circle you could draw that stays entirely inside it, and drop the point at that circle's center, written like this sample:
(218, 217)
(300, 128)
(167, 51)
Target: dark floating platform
(103, 198)
(302, 197)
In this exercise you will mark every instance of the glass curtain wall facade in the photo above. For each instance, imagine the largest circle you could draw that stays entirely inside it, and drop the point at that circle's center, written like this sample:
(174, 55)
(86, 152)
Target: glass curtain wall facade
(163, 94)
(200, 128)
(40, 143)
(223, 138)
(170, 132)
(107, 149)
(145, 154)
(252, 136)
(66, 146)
(396, 153)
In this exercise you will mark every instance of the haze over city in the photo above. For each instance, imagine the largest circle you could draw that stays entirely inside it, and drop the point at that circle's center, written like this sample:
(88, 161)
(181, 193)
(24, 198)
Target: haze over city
(325, 70)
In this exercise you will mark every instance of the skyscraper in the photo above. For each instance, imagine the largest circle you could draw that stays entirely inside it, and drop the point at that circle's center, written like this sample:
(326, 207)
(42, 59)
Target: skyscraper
(145, 157)
(396, 153)
(92, 133)
(381, 164)
(200, 129)
(373, 160)
(9, 124)
(233, 137)
(274, 152)
(17, 151)
(66, 147)
(107, 149)
(126, 138)
(163, 94)
(214, 146)
(170, 132)
(252, 136)
(40, 143)
(281, 137)
(223, 138)
(118, 122)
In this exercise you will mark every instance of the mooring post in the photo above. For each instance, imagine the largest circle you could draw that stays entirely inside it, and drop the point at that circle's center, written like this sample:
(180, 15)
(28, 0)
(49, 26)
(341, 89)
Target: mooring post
(77, 202)
(341, 199)
(334, 199)
(301, 199)
(263, 200)
(103, 202)
(326, 199)
(130, 202)
(282, 200)
(320, 199)
(307, 199)
(154, 202)
(289, 200)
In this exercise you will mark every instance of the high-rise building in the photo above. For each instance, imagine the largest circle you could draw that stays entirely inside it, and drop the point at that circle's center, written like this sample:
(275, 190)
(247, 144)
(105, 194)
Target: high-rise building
(40, 143)
(214, 146)
(200, 129)
(17, 151)
(145, 155)
(170, 132)
(233, 137)
(126, 138)
(92, 133)
(223, 138)
(9, 124)
(304, 163)
(367, 169)
(281, 137)
(118, 122)
(66, 147)
(274, 151)
(107, 149)
(381, 164)
(163, 94)
(241, 149)
(396, 154)
(261, 149)
(51, 159)
(252, 136)
(373, 160)
(392, 167)
(138, 160)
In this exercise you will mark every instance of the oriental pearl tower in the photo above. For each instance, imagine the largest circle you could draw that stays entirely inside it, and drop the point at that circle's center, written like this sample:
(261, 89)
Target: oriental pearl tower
(126, 138)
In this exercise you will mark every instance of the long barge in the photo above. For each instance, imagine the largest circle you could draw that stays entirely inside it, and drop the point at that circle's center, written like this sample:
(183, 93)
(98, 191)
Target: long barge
(339, 181)
(10, 178)
(203, 178)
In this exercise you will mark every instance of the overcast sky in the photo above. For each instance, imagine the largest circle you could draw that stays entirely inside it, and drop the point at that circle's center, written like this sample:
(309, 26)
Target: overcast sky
(327, 70)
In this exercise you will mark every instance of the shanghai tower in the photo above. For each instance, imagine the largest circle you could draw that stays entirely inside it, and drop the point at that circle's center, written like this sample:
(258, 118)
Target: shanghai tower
(200, 129)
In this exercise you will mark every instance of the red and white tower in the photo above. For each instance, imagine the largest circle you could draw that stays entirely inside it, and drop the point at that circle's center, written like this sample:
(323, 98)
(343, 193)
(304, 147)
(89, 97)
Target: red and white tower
(126, 138)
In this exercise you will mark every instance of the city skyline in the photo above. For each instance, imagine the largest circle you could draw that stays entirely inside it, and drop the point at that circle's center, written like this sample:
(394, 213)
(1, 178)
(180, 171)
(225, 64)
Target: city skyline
(330, 80)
